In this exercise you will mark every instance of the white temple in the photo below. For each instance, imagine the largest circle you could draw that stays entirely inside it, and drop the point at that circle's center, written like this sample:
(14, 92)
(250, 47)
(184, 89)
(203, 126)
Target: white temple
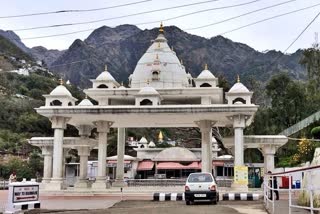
(160, 94)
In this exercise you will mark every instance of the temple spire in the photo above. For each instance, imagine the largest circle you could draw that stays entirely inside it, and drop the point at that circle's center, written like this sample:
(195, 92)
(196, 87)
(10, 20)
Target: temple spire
(161, 30)
(238, 78)
(106, 67)
(206, 66)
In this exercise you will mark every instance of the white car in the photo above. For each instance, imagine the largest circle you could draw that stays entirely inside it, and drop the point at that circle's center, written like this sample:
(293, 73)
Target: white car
(201, 187)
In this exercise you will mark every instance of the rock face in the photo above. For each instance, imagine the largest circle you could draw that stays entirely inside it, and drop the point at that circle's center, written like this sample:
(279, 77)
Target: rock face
(121, 48)
(45, 55)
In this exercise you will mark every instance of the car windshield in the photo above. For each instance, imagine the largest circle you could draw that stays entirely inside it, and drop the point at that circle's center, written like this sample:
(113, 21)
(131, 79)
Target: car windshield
(197, 178)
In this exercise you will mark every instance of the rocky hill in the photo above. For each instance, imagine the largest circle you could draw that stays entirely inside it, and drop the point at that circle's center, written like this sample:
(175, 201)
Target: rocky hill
(121, 47)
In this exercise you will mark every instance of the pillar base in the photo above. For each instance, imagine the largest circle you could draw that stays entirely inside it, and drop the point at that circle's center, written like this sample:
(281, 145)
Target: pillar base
(119, 183)
(81, 184)
(239, 187)
(100, 184)
(54, 185)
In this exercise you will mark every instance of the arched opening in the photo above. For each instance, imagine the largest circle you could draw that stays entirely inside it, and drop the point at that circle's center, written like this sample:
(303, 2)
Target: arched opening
(102, 86)
(239, 99)
(205, 85)
(155, 75)
(56, 103)
(189, 81)
(146, 102)
(142, 146)
(70, 104)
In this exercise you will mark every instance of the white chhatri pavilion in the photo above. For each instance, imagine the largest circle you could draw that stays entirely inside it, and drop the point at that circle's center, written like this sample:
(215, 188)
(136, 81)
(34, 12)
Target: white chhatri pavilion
(160, 94)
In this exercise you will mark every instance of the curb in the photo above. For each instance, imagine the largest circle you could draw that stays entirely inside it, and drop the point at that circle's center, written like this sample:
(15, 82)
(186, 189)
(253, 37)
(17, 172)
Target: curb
(240, 197)
(160, 196)
(168, 196)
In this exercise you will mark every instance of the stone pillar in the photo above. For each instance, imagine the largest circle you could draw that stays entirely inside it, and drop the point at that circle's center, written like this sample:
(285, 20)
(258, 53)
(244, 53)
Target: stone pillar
(268, 152)
(47, 163)
(206, 144)
(103, 128)
(83, 152)
(119, 182)
(58, 124)
(239, 123)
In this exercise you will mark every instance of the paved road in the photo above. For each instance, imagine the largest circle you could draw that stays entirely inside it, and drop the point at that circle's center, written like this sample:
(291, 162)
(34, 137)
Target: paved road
(174, 207)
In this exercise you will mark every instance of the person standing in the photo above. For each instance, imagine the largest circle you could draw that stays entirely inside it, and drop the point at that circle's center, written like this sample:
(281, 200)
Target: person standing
(13, 177)
(273, 185)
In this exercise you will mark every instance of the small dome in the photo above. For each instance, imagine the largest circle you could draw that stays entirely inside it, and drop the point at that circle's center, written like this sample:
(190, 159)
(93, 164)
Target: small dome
(148, 90)
(143, 140)
(152, 144)
(206, 74)
(105, 76)
(122, 87)
(189, 75)
(85, 102)
(176, 154)
(61, 90)
(238, 88)
(238, 103)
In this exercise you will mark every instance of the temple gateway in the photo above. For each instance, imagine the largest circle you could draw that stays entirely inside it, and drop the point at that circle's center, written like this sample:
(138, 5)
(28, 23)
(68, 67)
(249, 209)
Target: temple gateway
(160, 94)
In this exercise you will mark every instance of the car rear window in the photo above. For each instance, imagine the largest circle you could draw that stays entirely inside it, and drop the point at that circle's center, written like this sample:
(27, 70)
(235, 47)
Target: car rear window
(197, 178)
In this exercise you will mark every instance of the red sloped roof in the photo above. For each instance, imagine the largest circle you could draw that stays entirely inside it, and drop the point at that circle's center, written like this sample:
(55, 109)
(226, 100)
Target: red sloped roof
(114, 161)
(145, 165)
(175, 165)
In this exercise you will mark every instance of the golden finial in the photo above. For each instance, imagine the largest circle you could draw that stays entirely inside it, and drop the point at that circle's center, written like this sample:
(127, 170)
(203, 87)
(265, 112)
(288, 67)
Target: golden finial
(181, 61)
(158, 44)
(61, 81)
(105, 67)
(238, 78)
(161, 28)
(206, 66)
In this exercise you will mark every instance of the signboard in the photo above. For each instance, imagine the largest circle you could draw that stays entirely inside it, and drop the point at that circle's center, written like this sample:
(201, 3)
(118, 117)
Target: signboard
(126, 165)
(25, 193)
(241, 175)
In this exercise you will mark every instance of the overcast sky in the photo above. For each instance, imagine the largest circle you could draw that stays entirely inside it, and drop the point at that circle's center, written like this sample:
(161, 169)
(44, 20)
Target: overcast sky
(273, 34)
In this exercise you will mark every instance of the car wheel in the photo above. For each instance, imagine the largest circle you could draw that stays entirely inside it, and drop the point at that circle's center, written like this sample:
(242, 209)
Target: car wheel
(187, 202)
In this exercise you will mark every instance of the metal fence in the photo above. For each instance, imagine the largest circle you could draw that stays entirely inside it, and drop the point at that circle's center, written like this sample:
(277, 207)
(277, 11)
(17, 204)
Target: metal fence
(170, 182)
(302, 194)
(4, 184)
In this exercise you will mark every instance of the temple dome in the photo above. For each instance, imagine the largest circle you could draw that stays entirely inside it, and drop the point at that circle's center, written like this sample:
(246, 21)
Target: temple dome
(171, 74)
(239, 88)
(176, 154)
(143, 140)
(105, 75)
(60, 90)
(148, 90)
(85, 102)
(206, 74)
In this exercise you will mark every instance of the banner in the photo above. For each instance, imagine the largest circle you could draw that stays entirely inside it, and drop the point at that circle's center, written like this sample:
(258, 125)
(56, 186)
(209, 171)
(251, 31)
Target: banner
(241, 175)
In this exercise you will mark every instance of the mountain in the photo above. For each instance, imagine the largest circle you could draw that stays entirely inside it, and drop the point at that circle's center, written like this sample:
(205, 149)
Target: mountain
(121, 48)
(45, 55)
(37, 53)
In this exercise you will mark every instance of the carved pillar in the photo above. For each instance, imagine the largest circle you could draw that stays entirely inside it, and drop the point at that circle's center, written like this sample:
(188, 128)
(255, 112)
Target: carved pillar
(103, 128)
(47, 163)
(206, 144)
(58, 124)
(268, 152)
(120, 158)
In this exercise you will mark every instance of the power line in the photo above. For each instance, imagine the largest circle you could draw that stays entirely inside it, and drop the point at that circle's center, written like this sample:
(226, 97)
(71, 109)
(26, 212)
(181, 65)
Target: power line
(113, 18)
(241, 15)
(292, 43)
(220, 34)
(270, 18)
(199, 11)
(73, 11)
(226, 20)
